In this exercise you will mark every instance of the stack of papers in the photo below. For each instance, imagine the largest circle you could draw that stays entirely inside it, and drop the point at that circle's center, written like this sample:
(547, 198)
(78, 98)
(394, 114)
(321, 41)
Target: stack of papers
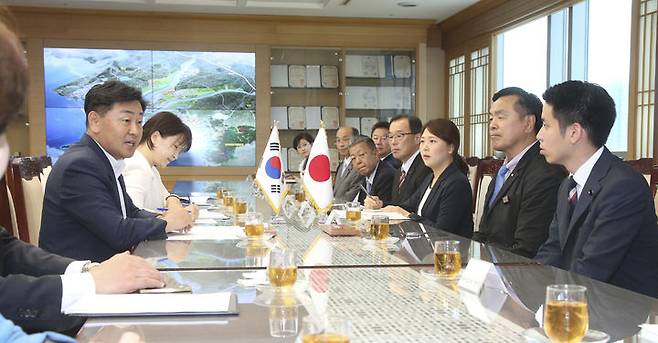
(104, 305)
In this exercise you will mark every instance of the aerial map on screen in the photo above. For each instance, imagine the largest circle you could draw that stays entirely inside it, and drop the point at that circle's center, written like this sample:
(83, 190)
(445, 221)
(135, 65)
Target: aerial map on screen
(214, 93)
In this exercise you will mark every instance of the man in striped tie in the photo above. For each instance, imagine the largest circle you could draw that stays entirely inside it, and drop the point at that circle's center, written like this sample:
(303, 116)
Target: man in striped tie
(605, 223)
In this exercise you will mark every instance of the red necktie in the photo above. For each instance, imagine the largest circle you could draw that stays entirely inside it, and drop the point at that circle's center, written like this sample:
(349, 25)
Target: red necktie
(402, 176)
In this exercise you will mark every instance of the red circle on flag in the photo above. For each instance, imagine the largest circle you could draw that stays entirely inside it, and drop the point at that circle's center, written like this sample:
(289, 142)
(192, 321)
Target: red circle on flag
(319, 168)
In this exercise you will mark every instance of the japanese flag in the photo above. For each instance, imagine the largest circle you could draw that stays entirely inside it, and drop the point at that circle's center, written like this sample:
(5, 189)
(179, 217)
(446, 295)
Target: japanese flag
(269, 177)
(317, 176)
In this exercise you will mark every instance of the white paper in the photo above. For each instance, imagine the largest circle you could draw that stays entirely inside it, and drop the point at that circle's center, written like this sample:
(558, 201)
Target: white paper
(121, 304)
(354, 122)
(402, 66)
(365, 66)
(206, 214)
(366, 125)
(367, 214)
(394, 97)
(329, 76)
(478, 273)
(279, 75)
(359, 97)
(486, 306)
(280, 115)
(297, 76)
(313, 76)
(199, 232)
(296, 118)
(313, 116)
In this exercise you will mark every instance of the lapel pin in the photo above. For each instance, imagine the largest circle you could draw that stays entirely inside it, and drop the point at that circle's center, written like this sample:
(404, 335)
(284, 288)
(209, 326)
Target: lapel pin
(590, 192)
(505, 199)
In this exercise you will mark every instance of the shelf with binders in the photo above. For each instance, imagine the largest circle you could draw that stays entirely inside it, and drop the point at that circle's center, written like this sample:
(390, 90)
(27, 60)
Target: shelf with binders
(305, 91)
(379, 84)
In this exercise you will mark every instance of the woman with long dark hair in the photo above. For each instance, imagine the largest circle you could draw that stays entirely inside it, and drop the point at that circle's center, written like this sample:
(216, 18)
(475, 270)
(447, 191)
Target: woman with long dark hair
(445, 199)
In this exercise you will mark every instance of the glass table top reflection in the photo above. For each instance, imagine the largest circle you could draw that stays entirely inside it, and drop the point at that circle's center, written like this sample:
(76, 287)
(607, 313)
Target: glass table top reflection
(382, 305)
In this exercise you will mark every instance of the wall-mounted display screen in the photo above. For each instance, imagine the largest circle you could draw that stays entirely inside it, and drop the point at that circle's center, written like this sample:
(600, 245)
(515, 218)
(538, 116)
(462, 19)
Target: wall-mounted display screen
(214, 93)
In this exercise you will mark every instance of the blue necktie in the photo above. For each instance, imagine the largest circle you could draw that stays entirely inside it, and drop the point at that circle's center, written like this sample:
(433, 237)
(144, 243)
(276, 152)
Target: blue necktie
(500, 179)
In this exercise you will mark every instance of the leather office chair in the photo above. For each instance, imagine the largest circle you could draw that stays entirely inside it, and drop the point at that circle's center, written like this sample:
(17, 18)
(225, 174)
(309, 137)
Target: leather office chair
(486, 172)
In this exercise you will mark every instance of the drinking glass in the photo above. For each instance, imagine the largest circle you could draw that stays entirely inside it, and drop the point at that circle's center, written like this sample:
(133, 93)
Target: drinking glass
(447, 259)
(253, 225)
(326, 330)
(239, 206)
(379, 227)
(565, 313)
(353, 213)
(282, 271)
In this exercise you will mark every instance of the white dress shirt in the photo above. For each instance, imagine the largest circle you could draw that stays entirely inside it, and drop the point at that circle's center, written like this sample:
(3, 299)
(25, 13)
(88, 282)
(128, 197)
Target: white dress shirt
(407, 164)
(143, 183)
(582, 173)
(75, 284)
(514, 161)
(117, 168)
(423, 200)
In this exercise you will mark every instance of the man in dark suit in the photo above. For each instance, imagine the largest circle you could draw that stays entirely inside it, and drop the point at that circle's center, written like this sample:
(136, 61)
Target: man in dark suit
(87, 213)
(520, 202)
(404, 138)
(379, 135)
(36, 286)
(377, 175)
(605, 223)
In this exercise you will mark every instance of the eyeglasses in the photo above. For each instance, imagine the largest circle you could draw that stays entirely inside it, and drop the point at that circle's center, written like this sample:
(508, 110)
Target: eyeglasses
(399, 135)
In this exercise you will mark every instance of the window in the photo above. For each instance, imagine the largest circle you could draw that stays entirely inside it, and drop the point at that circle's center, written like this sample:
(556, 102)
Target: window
(479, 109)
(645, 84)
(456, 96)
(522, 55)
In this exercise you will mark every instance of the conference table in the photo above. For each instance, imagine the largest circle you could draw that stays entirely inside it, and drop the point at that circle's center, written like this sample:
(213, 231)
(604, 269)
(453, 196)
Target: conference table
(384, 292)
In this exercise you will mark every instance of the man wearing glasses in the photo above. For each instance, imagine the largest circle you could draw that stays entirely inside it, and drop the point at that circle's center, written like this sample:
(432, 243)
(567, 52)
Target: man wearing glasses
(348, 178)
(404, 138)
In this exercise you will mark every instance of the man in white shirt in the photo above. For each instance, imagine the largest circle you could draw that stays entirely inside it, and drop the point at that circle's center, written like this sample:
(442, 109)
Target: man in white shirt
(87, 213)
(605, 222)
(520, 201)
(404, 138)
(36, 286)
(378, 175)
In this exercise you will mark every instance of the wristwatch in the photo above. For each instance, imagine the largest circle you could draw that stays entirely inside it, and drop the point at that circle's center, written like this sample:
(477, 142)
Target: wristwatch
(88, 266)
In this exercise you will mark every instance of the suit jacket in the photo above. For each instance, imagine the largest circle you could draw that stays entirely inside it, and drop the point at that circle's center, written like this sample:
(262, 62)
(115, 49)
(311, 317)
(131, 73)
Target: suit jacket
(30, 286)
(448, 206)
(518, 219)
(82, 215)
(392, 161)
(612, 235)
(346, 187)
(415, 176)
(381, 184)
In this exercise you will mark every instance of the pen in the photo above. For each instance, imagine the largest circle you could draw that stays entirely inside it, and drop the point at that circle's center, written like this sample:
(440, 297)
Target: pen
(364, 189)
(165, 209)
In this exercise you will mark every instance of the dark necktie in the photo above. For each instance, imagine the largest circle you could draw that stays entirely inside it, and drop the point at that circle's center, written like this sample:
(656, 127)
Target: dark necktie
(573, 195)
(402, 176)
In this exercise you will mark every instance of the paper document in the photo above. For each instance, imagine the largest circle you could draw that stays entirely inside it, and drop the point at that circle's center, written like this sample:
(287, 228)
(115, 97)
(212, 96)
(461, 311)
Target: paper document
(206, 214)
(208, 233)
(367, 214)
(103, 305)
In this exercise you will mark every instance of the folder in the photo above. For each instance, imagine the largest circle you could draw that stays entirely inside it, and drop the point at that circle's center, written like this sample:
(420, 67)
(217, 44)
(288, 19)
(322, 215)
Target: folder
(280, 115)
(401, 66)
(313, 76)
(330, 117)
(313, 116)
(296, 118)
(297, 76)
(111, 305)
(366, 125)
(279, 75)
(329, 76)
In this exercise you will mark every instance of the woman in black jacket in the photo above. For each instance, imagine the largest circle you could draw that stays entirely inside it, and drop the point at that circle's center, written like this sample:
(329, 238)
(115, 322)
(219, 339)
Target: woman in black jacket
(444, 200)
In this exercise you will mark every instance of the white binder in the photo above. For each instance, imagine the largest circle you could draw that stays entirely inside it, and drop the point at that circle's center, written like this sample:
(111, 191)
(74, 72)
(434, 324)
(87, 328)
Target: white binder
(402, 66)
(297, 76)
(329, 76)
(313, 116)
(279, 75)
(330, 117)
(359, 97)
(296, 118)
(313, 76)
(366, 125)
(280, 114)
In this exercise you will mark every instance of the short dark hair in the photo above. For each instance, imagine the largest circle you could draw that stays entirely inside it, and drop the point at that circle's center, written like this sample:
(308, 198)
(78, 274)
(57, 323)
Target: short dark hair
(364, 140)
(379, 125)
(415, 124)
(168, 124)
(305, 136)
(585, 103)
(449, 133)
(102, 97)
(526, 103)
(13, 76)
